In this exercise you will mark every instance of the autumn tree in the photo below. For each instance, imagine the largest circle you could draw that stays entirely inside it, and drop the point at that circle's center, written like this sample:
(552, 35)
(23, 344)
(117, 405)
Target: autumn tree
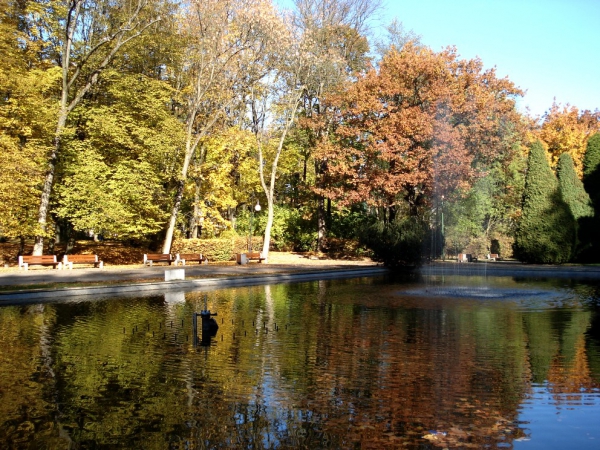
(223, 181)
(546, 232)
(113, 174)
(566, 130)
(411, 130)
(396, 37)
(27, 107)
(228, 52)
(83, 39)
(335, 36)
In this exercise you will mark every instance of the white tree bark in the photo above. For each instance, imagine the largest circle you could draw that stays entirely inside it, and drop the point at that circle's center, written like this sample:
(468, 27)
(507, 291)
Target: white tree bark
(269, 189)
(229, 44)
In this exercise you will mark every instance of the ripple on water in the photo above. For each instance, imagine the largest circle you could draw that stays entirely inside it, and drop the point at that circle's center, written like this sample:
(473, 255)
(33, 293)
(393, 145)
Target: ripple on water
(482, 292)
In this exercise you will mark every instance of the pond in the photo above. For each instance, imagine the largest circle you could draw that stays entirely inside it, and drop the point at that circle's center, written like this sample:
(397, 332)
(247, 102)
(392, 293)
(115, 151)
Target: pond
(445, 362)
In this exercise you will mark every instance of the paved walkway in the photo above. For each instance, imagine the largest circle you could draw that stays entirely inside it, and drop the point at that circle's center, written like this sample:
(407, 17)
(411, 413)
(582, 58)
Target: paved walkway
(45, 283)
(39, 276)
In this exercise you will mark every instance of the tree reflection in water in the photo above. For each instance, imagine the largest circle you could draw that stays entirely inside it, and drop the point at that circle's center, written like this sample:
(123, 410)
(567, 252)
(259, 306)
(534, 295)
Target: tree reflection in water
(329, 364)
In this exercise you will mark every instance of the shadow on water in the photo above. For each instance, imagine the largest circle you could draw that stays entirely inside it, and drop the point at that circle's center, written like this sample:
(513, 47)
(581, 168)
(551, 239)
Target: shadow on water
(466, 361)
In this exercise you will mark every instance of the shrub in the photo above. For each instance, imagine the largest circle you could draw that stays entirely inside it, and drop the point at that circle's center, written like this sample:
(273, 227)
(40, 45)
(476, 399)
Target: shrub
(223, 249)
(346, 248)
(395, 244)
(213, 249)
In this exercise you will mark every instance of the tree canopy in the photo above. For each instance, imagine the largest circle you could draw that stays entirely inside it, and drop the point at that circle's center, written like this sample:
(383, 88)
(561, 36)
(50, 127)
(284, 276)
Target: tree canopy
(152, 120)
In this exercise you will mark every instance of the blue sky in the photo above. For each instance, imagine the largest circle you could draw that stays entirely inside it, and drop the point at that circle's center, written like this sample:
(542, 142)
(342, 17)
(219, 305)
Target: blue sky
(550, 48)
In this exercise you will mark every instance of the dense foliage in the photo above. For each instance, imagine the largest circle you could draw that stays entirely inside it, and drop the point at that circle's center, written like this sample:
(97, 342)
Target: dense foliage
(591, 169)
(546, 232)
(149, 120)
(396, 243)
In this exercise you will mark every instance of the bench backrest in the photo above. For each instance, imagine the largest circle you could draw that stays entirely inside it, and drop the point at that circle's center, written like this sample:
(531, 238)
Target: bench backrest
(253, 255)
(158, 257)
(191, 256)
(80, 258)
(41, 259)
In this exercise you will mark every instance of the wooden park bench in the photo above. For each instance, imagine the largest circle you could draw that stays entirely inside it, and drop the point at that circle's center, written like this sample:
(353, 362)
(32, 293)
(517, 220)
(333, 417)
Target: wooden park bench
(43, 260)
(255, 256)
(184, 258)
(69, 260)
(493, 256)
(150, 258)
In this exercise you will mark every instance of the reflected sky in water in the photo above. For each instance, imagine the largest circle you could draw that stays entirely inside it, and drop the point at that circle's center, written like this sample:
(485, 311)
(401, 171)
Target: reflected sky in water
(440, 362)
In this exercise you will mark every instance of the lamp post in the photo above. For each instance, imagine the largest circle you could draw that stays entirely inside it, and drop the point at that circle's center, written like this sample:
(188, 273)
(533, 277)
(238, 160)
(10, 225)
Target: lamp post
(443, 240)
(257, 208)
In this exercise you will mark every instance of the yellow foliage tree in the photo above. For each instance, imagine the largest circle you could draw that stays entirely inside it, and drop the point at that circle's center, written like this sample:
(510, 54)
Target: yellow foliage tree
(566, 130)
(224, 177)
(27, 107)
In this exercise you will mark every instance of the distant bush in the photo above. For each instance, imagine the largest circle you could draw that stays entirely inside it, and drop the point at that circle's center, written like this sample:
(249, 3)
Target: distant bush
(216, 249)
(213, 249)
(346, 248)
(395, 244)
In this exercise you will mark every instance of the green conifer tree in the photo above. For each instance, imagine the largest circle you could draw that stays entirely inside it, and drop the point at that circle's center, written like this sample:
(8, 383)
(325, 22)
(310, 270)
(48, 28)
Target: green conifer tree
(588, 226)
(546, 232)
(574, 195)
(591, 168)
(571, 188)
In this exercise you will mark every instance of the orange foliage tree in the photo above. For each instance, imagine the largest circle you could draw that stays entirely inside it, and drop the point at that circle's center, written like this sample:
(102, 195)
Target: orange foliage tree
(425, 124)
(566, 130)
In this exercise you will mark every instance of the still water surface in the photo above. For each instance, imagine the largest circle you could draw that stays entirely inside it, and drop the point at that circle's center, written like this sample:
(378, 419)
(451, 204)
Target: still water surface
(452, 362)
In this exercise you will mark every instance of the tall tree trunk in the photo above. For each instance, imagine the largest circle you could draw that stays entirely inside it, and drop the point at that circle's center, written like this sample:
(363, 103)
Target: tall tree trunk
(38, 245)
(270, 190)
(321, 226)
(197, 211)
(173, 219)
(321, 223)
(268, 228)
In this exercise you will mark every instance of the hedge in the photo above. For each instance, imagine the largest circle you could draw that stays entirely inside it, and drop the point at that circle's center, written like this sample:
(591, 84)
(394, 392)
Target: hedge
(216, 249)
